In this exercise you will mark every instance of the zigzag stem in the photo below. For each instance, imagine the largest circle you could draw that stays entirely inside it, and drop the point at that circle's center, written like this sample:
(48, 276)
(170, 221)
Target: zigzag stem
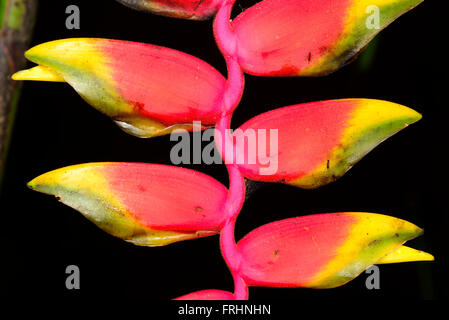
(228, 245)
(227, 43)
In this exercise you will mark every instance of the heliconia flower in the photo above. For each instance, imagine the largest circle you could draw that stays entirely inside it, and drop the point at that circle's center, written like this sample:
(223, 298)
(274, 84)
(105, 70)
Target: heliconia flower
(324, 250)
(318, 142)
(148, 90)
(146, 204)
(208, 295)
(185, 9)
(310, 37)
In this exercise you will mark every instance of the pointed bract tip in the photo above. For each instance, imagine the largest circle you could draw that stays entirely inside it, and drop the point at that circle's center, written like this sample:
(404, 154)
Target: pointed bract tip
(405, 254)
(38, 73)
(37, 183)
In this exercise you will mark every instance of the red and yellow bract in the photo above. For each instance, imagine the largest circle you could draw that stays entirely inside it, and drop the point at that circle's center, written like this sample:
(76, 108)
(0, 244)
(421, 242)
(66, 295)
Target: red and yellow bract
(146, 204)
(308, 37)
(323, 250)
(319, 141)
(148, 90)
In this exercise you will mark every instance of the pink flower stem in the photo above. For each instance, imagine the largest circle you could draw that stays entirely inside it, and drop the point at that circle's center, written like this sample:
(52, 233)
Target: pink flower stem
(227, 43)
(223, 30)
(234, 202)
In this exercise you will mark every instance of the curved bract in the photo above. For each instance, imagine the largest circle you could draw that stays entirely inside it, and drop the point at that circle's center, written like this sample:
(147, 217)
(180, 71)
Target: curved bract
(185, 9)
(319, 142)
(146, 204)
(324, 250)
(310, 37)
(148, 90)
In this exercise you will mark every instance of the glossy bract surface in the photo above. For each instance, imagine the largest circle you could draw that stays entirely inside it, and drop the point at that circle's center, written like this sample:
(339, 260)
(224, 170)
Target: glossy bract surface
(310, 37)
(148, 90)
(146, 204)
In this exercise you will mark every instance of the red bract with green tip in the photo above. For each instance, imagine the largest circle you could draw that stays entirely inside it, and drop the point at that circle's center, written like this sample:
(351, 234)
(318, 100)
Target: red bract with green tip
(318, 142)
(135, 201)
(321, 251)
(148, 90)
(309, 37)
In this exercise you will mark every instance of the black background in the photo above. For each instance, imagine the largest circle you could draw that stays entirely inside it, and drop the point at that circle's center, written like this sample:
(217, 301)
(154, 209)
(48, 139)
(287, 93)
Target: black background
(404, 177)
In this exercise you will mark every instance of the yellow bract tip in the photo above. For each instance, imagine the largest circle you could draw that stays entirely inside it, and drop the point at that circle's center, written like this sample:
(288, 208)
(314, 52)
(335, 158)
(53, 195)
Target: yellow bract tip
(38, 73)
(405, 254)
